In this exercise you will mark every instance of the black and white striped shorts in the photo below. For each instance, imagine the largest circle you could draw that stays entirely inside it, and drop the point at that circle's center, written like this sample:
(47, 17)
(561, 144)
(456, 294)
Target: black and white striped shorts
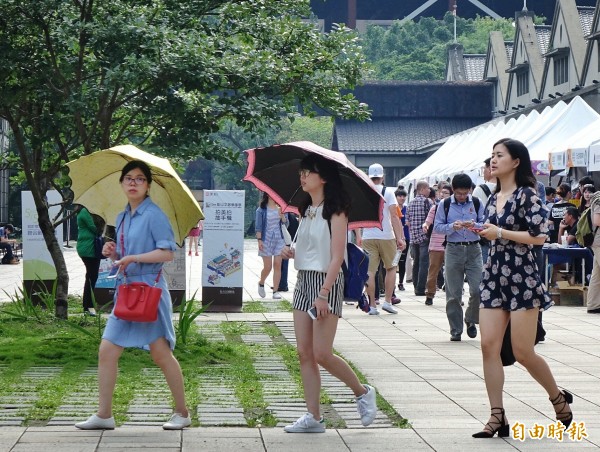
(309, 284)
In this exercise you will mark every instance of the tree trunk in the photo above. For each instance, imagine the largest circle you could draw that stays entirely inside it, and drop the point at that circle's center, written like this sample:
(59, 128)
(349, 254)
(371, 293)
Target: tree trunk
(62, 285)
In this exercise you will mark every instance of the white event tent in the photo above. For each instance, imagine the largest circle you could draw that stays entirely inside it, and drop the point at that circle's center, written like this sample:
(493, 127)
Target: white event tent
(541, 132)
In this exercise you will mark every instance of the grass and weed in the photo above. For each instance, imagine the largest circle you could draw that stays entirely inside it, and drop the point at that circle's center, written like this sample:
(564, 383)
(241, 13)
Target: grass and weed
(31, 336)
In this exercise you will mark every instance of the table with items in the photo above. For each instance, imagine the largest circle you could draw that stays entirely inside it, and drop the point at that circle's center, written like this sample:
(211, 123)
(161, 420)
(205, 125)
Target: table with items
(566, 255)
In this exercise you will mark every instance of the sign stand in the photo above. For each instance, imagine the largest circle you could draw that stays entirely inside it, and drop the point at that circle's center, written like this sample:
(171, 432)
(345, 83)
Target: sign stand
(223, 250)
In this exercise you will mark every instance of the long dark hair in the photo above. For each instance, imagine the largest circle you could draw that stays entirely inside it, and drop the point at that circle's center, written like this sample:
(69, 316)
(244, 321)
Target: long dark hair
(264, 200)
(524, 175)
(336, 199)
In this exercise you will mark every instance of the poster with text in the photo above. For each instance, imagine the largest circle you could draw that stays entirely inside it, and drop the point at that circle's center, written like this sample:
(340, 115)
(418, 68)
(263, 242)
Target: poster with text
(223, 242)
(594, 158)
(37, 262)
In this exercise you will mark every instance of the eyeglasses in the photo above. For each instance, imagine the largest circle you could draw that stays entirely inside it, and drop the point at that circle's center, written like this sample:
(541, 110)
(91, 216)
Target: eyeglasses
(305, 172)
(127, 180)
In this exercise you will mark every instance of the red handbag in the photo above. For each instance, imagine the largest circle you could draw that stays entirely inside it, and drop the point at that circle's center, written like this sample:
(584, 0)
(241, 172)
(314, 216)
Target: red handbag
(137, 301)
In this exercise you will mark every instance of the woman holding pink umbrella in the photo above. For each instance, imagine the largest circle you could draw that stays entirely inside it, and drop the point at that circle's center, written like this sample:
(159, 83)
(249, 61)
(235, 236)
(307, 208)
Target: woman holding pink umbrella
(318, 257)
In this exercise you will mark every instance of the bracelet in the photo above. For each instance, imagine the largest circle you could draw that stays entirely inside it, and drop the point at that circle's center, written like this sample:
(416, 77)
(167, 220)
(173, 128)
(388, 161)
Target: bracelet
(499, 233)
(325, 289)
(260, 240)
(322, 297)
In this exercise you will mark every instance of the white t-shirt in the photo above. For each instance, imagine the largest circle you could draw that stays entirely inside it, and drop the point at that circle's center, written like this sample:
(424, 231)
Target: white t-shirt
(388, 232)
(481, 194)
(313, 244)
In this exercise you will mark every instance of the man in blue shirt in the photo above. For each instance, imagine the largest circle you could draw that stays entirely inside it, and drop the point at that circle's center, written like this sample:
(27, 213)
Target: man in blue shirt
(463, 254)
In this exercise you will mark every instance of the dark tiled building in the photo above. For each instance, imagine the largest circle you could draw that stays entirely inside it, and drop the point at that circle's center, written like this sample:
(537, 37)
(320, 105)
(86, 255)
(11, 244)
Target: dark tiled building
(408, 120)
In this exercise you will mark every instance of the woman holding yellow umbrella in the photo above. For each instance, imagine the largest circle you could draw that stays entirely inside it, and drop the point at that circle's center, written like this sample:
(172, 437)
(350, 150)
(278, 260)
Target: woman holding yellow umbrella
(145, 240)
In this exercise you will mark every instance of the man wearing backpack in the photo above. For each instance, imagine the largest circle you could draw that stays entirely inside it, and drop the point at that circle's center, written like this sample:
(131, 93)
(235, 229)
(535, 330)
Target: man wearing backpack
(465, 214)
(483, 192)
(382, 244)
(593, 298)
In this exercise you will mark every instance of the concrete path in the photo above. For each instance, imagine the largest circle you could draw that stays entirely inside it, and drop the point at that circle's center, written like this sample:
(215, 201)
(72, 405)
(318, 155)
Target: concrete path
(434, 383)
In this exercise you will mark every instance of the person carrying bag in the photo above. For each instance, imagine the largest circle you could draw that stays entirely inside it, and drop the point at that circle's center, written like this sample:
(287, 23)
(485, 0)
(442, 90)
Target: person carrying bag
(146, 241)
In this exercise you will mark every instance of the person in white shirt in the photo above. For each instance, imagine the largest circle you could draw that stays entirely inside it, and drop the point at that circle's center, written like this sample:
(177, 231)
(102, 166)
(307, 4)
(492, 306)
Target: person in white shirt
(382, 244)
(318, 256)
(483, 192)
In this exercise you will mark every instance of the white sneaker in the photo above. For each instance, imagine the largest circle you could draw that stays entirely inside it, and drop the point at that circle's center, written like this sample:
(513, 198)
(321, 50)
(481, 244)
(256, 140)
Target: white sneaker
(276, 296)
(261, 290)
(306, 424)
(97, 423)
(387, 307)
(366, 406)
(373, 311)
(177, 422)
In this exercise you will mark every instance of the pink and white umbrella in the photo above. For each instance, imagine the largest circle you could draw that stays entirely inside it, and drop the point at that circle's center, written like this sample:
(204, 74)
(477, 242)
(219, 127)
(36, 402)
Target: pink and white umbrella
(274, 170)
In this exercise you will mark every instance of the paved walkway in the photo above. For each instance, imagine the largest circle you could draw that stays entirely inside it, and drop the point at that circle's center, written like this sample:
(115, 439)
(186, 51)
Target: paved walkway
(434, 383)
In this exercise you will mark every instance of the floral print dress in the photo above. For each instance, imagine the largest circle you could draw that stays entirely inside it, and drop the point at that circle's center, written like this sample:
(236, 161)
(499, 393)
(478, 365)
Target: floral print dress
(511, 279)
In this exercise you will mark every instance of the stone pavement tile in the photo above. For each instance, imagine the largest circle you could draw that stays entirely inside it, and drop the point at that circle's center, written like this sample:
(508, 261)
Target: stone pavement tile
(459, 439)
(194, 443)
(383, 439)
(51, 440)
(54, 447)
(551, 444)
(142, 437)
(223, 432)
(222, 439)
(277, 440)
(9, 437)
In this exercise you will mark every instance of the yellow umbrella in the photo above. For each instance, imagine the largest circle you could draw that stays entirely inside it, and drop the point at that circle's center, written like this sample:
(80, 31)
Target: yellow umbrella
(96, 186)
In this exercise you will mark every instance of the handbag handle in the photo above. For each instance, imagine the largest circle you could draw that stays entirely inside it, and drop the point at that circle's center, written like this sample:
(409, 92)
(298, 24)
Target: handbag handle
(122, 240)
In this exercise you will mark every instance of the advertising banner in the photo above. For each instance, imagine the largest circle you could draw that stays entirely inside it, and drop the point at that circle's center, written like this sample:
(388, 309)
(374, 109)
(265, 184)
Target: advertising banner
(39, 272)
(558, 160)
(594, 158)
(223, 250)
(576, 158)
(37, 262)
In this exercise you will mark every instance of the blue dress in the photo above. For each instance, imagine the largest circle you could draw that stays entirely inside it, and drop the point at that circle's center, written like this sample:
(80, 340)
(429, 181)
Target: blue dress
(148, 229)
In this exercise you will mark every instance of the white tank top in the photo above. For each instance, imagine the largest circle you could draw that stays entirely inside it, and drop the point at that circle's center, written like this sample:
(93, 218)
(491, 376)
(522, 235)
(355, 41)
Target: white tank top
(313, 244)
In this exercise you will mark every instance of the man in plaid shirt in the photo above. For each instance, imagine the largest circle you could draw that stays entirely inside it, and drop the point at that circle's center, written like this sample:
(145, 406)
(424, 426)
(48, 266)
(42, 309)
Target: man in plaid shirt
(416, 213)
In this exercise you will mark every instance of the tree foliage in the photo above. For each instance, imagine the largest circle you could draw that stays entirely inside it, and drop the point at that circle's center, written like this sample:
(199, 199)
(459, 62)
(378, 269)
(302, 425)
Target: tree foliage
(417, 50)
(84, 75)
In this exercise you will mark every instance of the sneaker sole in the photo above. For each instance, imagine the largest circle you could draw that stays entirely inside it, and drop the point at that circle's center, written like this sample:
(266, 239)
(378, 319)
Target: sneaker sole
(391, 311)
(176, 428)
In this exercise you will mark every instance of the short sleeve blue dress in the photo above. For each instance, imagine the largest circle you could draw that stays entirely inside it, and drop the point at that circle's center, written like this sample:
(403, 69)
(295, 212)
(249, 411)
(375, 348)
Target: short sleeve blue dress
(144, 231)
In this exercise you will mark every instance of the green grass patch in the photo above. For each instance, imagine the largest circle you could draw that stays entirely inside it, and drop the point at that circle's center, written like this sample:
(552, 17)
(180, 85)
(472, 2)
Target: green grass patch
(55, 343)
(285, 306)
(253, 306)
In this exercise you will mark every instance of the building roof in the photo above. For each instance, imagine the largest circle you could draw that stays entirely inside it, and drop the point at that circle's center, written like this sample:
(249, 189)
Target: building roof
(474, 67)
(509, 49)
(432, 99)
(586, 18)
(396, 134)
(543, 36)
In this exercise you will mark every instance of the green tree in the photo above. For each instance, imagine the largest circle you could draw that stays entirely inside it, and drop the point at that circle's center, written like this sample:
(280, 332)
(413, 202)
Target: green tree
(85, 75)
(417, 50)
(229, 175)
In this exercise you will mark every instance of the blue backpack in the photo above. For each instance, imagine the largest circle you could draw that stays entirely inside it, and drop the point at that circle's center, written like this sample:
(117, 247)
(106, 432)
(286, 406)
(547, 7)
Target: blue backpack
(355, 272)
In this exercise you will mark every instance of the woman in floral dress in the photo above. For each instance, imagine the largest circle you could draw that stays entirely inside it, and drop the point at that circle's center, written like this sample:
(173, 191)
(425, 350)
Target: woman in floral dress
(511, 287)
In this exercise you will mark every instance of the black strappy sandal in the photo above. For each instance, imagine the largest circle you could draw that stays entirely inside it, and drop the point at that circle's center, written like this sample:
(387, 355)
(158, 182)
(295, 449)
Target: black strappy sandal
(503, 428)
